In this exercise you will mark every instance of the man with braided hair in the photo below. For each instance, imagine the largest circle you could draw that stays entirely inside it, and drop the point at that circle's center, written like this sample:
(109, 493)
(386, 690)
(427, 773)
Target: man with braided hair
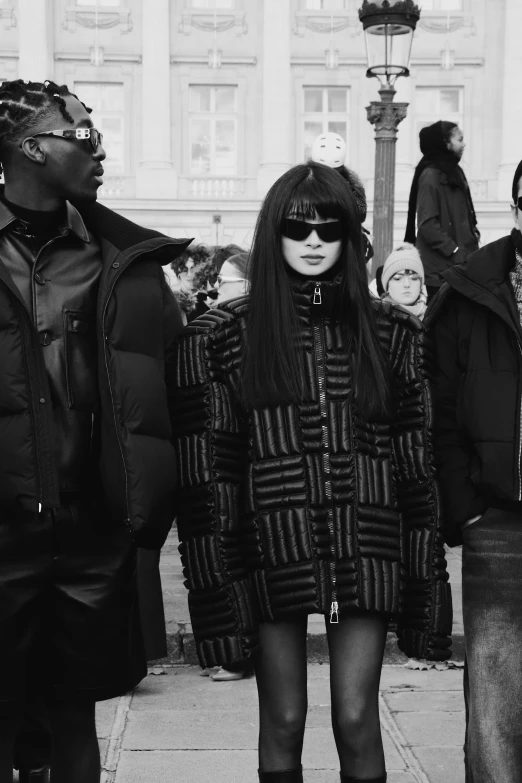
(87, 331)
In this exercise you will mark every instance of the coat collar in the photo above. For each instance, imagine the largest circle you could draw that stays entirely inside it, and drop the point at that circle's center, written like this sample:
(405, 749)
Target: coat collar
(128, 238)
(73, 220)
(484, 278)
(75, 223)
(316, 298)
(322, 299)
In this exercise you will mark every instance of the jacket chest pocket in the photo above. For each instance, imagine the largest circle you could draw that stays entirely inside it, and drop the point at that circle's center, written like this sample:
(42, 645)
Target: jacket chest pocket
(81, 360)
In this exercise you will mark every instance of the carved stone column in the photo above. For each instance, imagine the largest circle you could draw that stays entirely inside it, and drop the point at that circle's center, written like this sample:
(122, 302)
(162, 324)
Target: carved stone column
(156, 177)
(407, 140)
(36, 40)
(385, 115)
(278, 120)
(510, 86)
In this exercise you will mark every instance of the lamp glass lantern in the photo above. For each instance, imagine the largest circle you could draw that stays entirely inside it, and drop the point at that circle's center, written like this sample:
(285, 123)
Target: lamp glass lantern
(388, 30)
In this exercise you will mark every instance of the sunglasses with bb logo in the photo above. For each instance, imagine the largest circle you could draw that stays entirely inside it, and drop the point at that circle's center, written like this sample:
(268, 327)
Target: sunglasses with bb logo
(299, 230)
(92, 135)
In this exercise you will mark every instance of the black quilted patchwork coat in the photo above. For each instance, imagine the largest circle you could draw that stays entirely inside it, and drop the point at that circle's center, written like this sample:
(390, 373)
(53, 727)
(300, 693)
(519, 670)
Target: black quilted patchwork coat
(307, 508)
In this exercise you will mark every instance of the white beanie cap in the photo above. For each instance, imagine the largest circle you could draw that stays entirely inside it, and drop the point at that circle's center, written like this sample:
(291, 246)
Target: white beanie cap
(330, 149)
(404, 257)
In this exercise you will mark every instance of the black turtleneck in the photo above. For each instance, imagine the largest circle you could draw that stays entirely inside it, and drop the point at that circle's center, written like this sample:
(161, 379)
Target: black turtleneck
(41, 223)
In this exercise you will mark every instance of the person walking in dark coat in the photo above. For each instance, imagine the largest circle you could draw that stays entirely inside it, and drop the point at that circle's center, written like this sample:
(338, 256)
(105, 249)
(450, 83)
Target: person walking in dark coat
(88, 327)
(441, 202)
(476, 326)
(306, 484)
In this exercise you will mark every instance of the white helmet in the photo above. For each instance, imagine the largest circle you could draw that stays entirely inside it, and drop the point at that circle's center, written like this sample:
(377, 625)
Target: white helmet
(330, 149)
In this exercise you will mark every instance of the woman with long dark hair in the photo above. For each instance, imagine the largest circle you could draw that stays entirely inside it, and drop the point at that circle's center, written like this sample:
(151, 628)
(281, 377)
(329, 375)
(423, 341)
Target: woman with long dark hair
(305, 477)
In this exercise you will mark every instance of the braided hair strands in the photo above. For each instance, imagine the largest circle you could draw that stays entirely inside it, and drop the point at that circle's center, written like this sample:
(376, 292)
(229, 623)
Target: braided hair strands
(24, 104)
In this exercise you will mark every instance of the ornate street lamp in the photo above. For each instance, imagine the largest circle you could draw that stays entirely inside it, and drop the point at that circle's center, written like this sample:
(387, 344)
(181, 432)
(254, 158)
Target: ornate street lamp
(388, 29)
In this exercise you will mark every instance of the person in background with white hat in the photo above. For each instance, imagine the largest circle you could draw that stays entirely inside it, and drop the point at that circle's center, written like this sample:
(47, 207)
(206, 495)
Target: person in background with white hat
(403, 280)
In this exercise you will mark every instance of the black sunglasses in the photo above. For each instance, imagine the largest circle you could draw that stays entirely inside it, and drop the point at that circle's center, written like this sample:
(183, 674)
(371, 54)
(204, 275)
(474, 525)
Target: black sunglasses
(518, 202)
(299, 230)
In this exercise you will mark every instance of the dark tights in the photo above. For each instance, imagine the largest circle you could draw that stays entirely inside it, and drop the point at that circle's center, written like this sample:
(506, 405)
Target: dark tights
(356, 648)
(75, 754)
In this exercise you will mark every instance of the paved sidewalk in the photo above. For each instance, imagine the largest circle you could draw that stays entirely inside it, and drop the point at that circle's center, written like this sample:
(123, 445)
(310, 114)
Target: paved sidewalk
(179, 726)
(181, 644)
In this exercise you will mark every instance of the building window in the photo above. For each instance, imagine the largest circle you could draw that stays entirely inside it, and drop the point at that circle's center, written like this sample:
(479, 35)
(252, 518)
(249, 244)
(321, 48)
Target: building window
(325, 5)
(213, 130)
(442, 5)
(437, 103)
(326, 109)
(213, 3)
(108, 115)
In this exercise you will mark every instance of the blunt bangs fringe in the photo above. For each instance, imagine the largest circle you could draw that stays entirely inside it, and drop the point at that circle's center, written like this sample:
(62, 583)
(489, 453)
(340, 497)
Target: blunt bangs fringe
(312, 198)
(273, 370)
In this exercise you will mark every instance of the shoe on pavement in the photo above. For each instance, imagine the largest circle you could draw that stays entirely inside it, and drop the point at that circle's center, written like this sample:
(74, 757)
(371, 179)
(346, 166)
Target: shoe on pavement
(209, 672)
(223, 675)
(28, 775)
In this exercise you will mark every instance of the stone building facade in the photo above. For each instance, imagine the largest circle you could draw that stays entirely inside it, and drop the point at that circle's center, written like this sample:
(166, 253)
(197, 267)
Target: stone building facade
(204, 103)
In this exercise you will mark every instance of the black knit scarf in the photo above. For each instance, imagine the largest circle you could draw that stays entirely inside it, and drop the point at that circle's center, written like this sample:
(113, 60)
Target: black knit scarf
(436, 155)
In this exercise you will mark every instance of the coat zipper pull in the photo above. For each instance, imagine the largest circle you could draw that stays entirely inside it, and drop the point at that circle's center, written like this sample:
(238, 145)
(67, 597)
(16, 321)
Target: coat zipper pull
(317, 295)
(334, 612)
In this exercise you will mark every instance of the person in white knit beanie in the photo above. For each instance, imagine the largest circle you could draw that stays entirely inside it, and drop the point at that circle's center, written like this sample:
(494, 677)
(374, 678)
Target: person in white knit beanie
(403, 280)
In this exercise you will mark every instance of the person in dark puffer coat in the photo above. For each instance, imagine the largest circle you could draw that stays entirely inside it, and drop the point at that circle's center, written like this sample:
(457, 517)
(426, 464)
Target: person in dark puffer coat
(476, 324)
(306, 483)
(87, 332)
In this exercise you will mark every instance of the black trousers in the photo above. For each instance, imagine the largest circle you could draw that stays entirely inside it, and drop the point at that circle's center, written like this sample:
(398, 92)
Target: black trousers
(491, 582)
(33, 743)
(69, 617)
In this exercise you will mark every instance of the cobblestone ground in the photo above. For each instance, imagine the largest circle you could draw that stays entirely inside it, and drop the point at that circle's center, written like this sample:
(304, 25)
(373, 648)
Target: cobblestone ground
(180, 726)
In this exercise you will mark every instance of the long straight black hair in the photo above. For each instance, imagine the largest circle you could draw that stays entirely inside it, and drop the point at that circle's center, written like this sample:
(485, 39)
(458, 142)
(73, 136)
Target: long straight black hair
(273, 370)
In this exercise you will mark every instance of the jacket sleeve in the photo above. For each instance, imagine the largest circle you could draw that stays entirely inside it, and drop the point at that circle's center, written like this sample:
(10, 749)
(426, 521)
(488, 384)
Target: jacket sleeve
(429, 225)
(454, 453)
(211, 443)
(424, 627)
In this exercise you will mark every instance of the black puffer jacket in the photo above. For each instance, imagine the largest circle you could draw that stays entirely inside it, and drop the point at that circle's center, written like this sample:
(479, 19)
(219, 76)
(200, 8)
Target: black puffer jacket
(478, 393)
(289, 509)
(138, 322)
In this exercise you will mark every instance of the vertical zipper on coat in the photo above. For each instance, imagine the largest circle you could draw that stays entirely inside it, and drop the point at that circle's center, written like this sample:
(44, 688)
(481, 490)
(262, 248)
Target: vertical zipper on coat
(319, 355)
(519, 260)
(520, 441)
(105, 337)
